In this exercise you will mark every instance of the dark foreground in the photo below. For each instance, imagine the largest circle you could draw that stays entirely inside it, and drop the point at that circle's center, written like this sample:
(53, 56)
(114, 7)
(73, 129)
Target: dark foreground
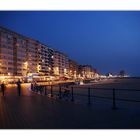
(33, 111)
(41, 112)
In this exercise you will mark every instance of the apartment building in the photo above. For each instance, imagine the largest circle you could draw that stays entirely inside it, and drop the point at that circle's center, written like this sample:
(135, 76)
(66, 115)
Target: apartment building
(23, 56)
(20, 55)
(12, 53)
(45, 60)
(73, 69)
(31, 62)
(61, 64)
(86, 71)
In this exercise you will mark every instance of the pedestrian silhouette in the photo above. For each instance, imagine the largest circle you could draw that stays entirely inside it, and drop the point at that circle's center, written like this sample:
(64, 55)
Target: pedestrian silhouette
(35, 86)
(19, 87)
(3, 88)
(32, 86)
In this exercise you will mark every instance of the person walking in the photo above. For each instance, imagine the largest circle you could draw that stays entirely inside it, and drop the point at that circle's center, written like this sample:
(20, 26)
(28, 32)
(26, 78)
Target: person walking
(3, 88)
(19, 87)
(35, 86)
(32, 86)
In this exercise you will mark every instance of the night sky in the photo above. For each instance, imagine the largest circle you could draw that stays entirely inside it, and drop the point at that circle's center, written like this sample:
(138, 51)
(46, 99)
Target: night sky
(109, 41)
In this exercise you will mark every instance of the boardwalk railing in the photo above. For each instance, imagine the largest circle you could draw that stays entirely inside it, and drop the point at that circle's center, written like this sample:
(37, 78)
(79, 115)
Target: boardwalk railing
(88, 94)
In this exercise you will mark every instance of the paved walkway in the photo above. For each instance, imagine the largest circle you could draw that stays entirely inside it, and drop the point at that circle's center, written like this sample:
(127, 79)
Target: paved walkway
(35, 111)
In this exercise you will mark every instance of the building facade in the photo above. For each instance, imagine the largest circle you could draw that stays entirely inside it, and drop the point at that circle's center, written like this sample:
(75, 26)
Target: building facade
(86, 71)
(61, 64)
(45, 60)
(12, 53)
(31, 62)
(73, 69)
(22, 56)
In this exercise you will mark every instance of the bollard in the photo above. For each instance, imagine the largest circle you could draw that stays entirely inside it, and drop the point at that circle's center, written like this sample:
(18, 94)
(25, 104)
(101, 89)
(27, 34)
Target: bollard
(114, 100)
(60, 91)
(72, 97)
(89, 96)
(51, 90)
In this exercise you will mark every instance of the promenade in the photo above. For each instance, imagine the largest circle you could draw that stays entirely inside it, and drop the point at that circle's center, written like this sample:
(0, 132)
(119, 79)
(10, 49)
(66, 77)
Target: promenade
(34, 111)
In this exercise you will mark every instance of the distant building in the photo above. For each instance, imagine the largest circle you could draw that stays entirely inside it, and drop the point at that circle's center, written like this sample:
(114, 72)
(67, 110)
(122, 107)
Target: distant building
(73, 69)
(86, 71)
(61, 64)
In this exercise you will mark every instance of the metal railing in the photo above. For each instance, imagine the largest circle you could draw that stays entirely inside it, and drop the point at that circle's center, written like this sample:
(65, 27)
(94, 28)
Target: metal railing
(57, 91)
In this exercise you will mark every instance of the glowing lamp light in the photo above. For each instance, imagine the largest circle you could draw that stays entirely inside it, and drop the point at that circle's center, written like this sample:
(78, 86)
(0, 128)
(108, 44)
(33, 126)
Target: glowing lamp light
(49, 68)
(26, 63)
(39, 67)
(9, 73)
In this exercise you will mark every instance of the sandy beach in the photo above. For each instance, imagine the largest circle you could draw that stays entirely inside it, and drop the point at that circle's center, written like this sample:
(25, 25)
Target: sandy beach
(103, 95)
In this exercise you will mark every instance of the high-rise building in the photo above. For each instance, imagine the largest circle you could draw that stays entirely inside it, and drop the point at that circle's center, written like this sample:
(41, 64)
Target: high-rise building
(18, 54)
(23, 56)
(45, 60)
(31, 56)
(73, 69)
(61, 64)
(51, 53)
(12, 53)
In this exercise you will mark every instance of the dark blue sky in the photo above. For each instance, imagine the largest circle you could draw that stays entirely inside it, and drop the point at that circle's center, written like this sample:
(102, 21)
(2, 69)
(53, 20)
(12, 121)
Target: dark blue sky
(109, 41)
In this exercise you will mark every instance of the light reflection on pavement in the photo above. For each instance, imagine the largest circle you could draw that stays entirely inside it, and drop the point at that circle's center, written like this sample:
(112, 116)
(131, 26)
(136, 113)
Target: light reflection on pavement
(11, 90)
